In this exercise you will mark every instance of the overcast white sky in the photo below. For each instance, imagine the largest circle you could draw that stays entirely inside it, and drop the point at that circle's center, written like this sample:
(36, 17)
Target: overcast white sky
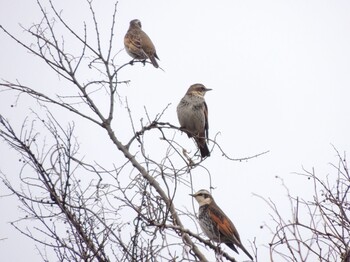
(279, 71)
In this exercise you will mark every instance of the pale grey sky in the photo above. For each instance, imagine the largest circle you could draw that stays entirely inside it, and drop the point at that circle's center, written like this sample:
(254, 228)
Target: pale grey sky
(279, 71)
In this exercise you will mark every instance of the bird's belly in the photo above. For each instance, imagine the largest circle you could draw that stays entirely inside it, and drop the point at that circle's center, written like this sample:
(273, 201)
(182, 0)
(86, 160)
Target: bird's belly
(136, 55)
(210, 231)
(192, 120)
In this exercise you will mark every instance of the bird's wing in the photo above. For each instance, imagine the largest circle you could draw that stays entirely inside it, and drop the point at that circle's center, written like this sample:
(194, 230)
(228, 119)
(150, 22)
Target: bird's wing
(206, 120)
(134, 43)
(147, 44)
(224, 225)
(135, 39)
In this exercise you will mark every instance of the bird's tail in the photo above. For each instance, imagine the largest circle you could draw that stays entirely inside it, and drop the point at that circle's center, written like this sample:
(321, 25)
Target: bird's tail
(203, 147)
(232, 246)
(154, 61)
(246, 252)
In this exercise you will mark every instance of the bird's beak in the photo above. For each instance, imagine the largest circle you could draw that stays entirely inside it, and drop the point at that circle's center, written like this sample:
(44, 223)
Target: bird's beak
(192, 195)
(208, 89)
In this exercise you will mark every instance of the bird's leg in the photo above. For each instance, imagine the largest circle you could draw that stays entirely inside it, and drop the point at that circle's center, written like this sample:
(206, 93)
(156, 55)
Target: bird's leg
(218, 249)
(132, 62)
(218, 253)
(144, 62)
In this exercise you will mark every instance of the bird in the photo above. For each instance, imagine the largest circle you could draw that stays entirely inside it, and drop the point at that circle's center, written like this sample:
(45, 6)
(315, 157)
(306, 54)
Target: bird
(216, 224)
(192, 112)
(138, 44)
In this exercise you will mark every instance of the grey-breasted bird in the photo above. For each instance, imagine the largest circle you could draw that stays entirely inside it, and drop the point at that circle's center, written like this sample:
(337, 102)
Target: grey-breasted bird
(192, 113)
(138, 44)
(215, 224)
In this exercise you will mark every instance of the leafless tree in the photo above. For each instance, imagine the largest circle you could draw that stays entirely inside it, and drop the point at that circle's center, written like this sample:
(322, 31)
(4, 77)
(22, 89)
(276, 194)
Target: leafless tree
(78, 208)
(317, 229)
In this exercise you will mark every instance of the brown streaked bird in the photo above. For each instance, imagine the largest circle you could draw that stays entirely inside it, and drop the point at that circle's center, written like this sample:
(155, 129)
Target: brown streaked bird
(138, 44)
(215, 224)
(192, 113)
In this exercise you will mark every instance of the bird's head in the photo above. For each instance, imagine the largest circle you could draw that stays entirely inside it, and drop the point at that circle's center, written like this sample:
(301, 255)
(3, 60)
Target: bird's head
(203, 197)
(197, 89)
(135, 23)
